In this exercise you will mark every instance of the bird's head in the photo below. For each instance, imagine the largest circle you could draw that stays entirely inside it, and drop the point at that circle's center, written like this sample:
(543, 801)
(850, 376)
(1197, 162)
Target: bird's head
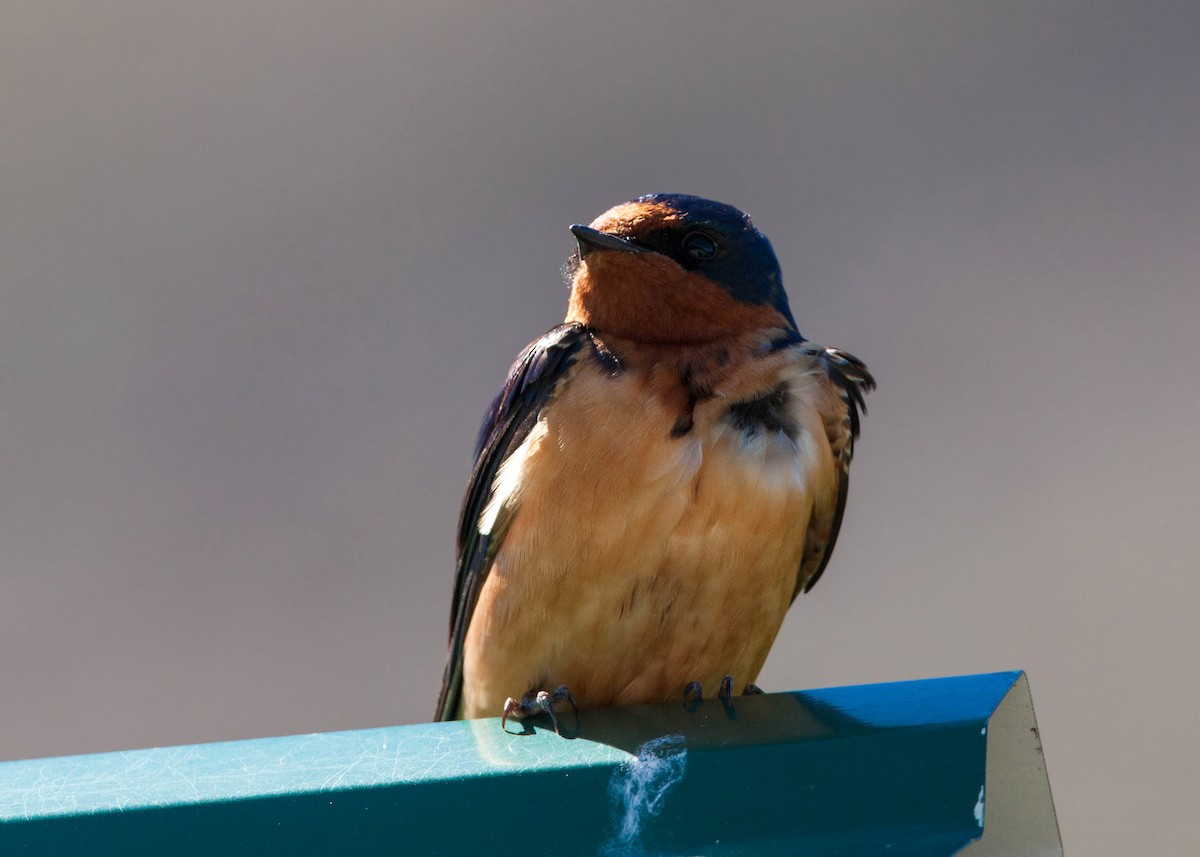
(676, 269)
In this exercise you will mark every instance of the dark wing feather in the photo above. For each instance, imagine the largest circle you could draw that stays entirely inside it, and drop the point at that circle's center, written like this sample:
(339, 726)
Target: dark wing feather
(530, 384)
(852, 382)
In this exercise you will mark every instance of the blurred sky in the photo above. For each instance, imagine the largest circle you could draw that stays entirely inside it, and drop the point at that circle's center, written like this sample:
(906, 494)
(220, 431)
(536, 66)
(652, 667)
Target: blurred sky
(262, 266)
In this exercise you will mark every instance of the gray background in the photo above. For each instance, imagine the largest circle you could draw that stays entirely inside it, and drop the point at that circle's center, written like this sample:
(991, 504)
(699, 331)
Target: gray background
(262, 265)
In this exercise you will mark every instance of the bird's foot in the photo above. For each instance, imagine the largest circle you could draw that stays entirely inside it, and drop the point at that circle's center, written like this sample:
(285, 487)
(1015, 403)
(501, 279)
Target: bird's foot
(535, 703)
(693, 693)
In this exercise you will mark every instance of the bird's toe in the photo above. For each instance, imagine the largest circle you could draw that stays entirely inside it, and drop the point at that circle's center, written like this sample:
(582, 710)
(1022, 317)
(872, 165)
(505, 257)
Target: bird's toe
(538, 702)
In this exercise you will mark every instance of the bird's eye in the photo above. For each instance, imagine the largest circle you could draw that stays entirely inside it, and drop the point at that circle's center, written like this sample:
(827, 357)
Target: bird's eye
(699, 246)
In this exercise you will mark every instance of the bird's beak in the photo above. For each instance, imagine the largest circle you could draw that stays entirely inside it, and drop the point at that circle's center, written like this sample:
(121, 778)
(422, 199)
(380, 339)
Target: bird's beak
(593, 239)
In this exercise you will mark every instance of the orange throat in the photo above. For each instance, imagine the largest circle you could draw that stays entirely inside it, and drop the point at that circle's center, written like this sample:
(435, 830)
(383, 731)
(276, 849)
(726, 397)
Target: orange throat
(651, 299)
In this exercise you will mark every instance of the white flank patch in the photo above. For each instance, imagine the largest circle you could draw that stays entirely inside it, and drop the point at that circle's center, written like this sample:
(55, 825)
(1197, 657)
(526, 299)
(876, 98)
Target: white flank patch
(639, 787)
(506, 488)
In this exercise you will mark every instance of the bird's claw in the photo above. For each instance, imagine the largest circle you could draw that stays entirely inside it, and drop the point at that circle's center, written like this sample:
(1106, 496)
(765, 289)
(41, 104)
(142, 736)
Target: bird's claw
(725, 691)
(542, 701)
(693, 693)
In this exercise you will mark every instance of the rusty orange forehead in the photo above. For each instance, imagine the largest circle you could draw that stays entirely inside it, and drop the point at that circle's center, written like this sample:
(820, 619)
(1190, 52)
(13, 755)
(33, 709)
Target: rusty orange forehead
(628, 217)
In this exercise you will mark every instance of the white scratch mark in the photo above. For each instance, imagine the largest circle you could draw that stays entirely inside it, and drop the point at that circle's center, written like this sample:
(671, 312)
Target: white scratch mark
(639, 787)
(979, 807)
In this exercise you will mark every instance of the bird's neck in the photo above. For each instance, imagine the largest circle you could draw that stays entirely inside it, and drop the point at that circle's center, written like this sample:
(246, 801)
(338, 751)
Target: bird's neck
(739, 366)
(653, 301)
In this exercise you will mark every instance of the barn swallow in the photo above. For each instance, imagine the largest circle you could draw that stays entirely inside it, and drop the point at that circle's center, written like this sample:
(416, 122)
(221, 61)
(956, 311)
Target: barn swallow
(658, 479)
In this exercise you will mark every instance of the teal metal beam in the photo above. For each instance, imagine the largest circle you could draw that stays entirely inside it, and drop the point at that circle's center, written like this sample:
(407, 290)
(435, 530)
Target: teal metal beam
(910, 768)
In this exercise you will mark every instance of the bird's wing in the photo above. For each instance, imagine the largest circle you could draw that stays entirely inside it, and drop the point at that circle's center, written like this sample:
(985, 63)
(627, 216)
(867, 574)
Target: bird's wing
(848, 382)
(531, 382)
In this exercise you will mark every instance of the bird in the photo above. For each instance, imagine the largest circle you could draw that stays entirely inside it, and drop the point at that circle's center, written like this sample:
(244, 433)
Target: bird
(658, 479)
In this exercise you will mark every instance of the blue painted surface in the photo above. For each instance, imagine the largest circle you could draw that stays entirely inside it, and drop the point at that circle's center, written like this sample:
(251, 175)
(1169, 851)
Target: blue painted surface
(929, 701)
(889, 769)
